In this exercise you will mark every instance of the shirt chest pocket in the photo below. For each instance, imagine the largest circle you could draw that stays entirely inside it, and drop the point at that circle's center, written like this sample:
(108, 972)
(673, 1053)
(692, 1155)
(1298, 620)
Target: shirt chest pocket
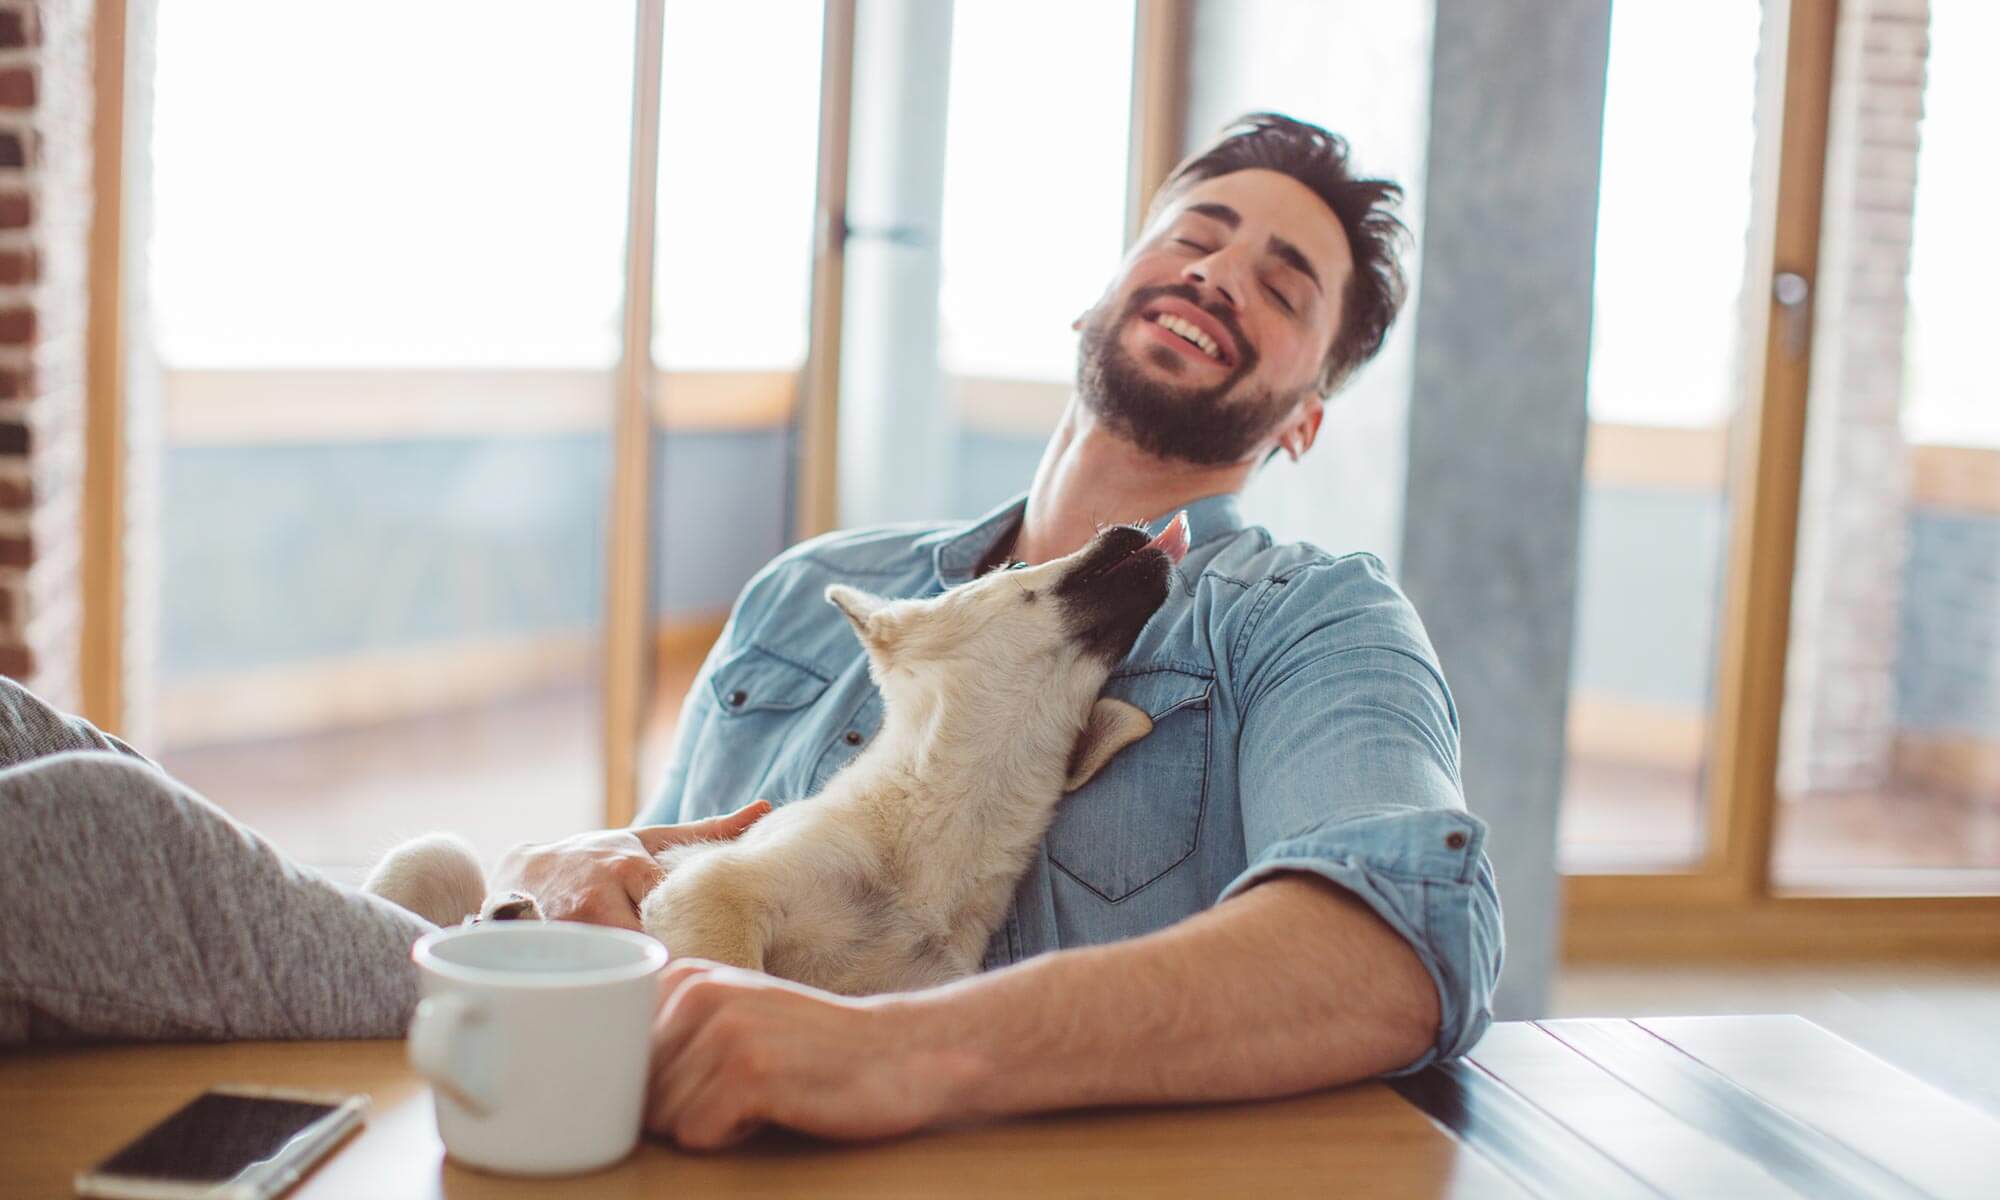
(759, 698)
(1141, 816)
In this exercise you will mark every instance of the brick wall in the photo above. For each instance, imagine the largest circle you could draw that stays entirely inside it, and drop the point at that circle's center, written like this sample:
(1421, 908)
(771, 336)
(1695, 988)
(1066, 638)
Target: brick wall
(1840, 698)
(45, 206)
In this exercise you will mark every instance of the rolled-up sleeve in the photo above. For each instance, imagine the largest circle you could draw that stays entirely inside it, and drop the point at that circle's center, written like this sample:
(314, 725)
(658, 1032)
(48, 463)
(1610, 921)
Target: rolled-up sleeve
(1348, 770)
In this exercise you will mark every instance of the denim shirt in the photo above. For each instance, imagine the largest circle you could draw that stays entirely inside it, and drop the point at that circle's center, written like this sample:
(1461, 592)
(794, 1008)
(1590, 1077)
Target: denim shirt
(1300, 723)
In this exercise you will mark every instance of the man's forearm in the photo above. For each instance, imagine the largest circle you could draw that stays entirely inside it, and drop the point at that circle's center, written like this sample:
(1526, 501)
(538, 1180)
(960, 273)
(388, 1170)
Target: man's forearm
(1292, 985)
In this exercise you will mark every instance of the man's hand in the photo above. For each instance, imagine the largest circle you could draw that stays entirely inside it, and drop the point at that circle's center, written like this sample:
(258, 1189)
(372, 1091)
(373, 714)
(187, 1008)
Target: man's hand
(601, 877)
(734, 1050)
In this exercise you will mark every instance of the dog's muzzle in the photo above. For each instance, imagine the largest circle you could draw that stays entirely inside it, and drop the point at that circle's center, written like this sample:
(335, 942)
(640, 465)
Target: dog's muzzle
(1118, 583)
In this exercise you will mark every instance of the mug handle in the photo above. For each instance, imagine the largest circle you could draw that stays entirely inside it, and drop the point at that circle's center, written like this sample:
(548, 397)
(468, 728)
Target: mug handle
(433, 1032)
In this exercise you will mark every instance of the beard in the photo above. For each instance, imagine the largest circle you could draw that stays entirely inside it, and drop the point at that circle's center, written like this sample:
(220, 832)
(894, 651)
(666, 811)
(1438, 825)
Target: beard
(1200, 425)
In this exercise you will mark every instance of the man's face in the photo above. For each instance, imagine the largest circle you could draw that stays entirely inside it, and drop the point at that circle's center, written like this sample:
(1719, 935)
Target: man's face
(1208, 346)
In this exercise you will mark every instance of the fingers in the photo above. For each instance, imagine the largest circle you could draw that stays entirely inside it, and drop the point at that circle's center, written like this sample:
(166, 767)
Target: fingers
(718, 1115)
(656, 838)
(638, 875)
(688, 1001)
(690, 995)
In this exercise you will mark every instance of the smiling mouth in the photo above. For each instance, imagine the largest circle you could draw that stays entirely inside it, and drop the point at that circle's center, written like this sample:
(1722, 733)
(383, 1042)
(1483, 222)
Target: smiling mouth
(1191, 339)
(1188, 332)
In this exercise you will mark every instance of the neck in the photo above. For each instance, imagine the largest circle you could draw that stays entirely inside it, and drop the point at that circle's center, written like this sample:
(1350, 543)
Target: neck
(1006, 788)
(1090, 477)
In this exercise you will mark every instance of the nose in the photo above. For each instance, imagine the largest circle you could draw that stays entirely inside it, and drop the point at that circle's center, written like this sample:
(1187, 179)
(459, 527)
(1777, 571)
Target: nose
(1221, 272)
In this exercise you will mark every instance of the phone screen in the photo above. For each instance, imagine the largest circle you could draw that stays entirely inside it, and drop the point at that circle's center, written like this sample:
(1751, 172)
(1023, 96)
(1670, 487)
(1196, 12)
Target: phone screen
(214, 1137)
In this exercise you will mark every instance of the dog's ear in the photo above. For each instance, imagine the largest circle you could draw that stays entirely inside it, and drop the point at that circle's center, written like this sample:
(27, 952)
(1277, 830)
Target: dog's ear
(1113, 725)
(864, 612)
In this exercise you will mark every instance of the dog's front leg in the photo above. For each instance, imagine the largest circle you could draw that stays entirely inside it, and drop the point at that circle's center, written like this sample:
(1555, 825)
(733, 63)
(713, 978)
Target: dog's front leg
(710, 908)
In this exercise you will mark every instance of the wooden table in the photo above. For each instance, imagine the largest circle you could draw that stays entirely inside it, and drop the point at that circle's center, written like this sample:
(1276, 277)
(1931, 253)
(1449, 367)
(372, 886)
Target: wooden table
(1699, 1107)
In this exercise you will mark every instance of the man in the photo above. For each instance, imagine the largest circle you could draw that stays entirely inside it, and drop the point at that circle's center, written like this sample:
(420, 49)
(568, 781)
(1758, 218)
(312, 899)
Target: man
(1277, 890)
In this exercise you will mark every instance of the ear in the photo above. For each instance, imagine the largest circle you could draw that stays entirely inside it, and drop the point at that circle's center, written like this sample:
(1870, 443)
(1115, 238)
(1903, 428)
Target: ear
(863, 610)
(1299, 434)
(1113, 725)
(857, 604)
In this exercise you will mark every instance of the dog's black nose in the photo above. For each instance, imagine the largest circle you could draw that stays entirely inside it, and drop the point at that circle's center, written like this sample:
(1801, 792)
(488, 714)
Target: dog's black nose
(520, 908)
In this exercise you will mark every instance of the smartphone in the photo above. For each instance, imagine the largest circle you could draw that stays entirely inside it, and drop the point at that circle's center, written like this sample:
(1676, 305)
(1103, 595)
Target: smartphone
(229, 1143)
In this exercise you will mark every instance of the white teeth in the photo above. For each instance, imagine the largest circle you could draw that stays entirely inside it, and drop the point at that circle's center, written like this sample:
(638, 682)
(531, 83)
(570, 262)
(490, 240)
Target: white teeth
(1192, 333)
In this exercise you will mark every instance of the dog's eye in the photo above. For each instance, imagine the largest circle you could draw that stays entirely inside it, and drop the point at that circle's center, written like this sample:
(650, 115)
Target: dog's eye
(1015, 565)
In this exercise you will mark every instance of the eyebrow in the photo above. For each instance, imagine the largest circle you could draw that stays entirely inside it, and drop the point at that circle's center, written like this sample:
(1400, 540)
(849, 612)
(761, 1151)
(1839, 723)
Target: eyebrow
(1282, 250)
(1218, 212)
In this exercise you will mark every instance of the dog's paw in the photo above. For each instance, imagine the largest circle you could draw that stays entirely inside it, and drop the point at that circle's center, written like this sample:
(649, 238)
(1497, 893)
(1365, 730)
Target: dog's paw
(510, 906)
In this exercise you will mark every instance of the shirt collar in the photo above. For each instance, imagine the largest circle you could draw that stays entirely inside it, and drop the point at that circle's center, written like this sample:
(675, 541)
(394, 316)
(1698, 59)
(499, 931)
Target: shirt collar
(956, 555)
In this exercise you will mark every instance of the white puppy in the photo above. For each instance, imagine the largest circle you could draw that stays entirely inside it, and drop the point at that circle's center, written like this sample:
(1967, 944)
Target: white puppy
(897, 873)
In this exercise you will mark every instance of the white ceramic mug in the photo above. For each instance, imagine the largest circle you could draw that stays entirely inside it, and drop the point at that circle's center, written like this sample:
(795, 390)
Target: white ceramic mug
(534, 1035)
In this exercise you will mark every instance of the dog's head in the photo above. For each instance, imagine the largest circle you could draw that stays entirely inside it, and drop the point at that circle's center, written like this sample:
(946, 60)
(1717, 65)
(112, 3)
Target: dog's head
(1026, 643)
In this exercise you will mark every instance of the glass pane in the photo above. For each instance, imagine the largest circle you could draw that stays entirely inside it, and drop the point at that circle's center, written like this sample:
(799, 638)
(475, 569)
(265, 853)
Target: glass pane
(1663, 386)
(739, 117)
(1889, 770)
(1002, 317)
(388, 312)
(739, 152)
(465, 206)
(1025, 250)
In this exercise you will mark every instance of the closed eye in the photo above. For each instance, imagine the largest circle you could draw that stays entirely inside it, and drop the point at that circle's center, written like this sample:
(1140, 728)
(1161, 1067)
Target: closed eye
(1280, 298)
(1193, 245)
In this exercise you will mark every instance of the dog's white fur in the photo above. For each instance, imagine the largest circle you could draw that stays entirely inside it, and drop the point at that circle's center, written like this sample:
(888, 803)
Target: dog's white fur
(897, 873)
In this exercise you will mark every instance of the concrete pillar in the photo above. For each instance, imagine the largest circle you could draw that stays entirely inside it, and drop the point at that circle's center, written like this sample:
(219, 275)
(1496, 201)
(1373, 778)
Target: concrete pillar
(1497, 418)
(898, 436)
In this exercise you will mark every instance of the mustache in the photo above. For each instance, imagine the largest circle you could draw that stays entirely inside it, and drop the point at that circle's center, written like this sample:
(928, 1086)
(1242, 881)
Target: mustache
(1181, 291)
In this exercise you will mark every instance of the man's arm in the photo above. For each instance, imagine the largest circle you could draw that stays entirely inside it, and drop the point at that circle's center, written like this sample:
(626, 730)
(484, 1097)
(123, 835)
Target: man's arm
(1291, 985)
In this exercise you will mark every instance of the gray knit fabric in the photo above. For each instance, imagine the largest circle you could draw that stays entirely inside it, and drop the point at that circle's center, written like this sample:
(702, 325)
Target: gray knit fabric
(135, 909)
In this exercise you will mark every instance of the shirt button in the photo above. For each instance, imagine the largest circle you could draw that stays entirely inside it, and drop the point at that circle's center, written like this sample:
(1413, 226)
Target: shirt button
(853, 737)
(736, 698)
(1455, 840)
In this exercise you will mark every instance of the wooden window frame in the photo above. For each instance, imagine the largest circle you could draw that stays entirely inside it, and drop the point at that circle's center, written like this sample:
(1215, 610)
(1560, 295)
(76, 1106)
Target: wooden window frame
(101, 653)
(1725, 906)
(628, 618)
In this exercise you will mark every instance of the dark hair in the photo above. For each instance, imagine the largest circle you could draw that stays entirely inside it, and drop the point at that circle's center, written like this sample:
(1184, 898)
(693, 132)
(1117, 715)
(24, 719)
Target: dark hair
(1365, 207)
